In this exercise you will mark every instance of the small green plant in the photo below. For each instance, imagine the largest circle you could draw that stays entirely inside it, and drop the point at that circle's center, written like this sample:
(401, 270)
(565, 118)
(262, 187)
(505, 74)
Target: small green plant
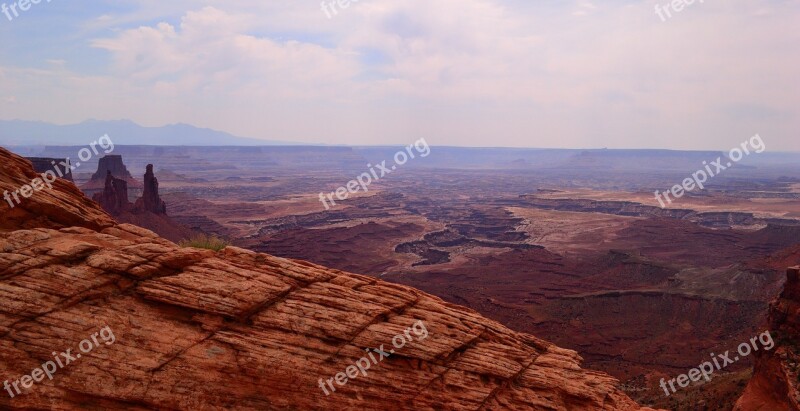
(205, 241)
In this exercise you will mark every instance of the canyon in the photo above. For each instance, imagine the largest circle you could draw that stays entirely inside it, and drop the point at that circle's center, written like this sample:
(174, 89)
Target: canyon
(566, 245)
(235, 329)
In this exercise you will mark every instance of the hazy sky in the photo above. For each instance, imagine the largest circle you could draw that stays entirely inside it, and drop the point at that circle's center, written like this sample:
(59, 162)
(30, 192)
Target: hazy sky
(532, 73)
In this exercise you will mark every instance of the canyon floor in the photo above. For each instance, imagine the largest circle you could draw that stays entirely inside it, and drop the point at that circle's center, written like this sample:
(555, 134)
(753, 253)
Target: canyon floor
(570, 246)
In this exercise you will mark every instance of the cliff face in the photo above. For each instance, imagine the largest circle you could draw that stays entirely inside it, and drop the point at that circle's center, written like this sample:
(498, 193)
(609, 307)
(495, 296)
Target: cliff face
(114, 197)
(42, 164)
(197, 330)
(774, 385)
(706, 219)
(113, 164)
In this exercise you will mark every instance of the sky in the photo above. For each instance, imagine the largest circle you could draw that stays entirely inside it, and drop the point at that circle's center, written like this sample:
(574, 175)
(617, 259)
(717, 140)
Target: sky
(485, 73)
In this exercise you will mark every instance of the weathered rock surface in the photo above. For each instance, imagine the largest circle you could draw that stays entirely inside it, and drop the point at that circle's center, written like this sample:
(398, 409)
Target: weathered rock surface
(202, 330)
(62, 206)
(776, 376)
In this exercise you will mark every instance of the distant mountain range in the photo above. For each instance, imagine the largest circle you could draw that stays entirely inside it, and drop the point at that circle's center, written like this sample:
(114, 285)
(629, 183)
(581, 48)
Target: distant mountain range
(123, 132)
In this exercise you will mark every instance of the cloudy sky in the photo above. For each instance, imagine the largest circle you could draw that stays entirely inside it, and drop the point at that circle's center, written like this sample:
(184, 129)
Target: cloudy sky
(517, 73)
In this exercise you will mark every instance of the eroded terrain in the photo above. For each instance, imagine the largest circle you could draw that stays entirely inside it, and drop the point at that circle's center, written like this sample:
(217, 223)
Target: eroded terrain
(570, 247)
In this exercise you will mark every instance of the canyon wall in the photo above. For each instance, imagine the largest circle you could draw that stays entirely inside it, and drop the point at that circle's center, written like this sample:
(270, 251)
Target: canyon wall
(43, 164)
(774, 385)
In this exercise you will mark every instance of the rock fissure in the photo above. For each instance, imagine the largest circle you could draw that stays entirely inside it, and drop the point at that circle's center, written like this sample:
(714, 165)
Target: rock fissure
(507, 383)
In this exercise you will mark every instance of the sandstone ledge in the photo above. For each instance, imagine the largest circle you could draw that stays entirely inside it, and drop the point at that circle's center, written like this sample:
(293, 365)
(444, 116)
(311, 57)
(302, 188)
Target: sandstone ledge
(240, 330)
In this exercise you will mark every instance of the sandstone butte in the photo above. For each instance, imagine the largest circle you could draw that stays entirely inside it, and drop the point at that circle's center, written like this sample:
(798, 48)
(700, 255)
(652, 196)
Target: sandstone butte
(203, 330)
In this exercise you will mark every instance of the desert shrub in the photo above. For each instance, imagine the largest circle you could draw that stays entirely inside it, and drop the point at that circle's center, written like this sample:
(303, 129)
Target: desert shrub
(205, 241)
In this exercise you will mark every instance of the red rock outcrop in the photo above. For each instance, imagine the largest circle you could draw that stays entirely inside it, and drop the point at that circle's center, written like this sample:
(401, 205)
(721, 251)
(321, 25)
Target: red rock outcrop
(150, 200)
(202, 330)
(110, 163)
(148, 212)
(62, 206)
(776, 376)
(114, 197)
